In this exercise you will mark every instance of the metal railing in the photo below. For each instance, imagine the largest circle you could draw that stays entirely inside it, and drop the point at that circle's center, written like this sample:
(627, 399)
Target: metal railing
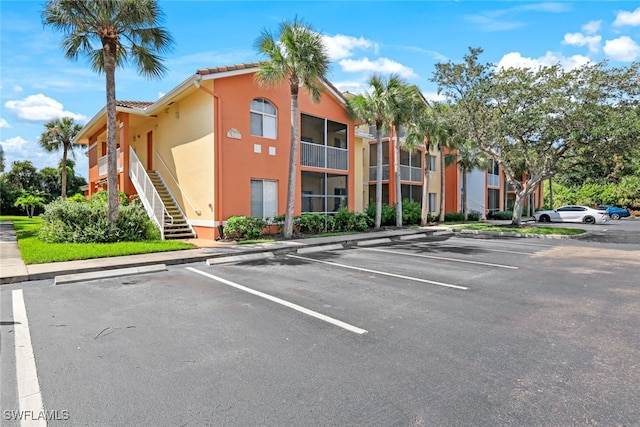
(148, 194)
(103, 167)
(323, 156)
(373, 172)
(197, 211)
(410, 173)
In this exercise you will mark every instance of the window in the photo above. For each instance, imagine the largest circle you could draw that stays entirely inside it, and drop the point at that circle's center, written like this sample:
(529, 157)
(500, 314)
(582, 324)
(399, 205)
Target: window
(432, 163)
(323, 192)
(263, 118)
(493, 202)
(264, 198)
(432, 202)
(410, 192)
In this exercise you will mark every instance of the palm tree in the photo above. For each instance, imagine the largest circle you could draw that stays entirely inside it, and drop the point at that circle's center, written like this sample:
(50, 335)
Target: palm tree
(430, 130)
(406, 105)
(110, 33)
(298, 56)
(374, 107)
(59, 133)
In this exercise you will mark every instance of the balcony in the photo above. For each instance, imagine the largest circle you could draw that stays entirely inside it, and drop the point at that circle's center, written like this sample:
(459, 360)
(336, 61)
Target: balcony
(373, 174)
(410, 173)
(102, 164)
(323, 156)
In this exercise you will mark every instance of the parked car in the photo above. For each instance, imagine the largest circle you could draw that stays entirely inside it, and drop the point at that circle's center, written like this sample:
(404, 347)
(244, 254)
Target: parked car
(573, 214)
(615, 212)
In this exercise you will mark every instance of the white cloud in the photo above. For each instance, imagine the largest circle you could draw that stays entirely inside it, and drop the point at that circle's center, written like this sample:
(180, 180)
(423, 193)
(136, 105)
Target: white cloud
(18, 89)
(380, 65)
(4, 124)
(15, 145)
(40, 108)
(341, 46)
(579, 39)
(622, 49)
(516, 60)
(591, 27)
(627, 18)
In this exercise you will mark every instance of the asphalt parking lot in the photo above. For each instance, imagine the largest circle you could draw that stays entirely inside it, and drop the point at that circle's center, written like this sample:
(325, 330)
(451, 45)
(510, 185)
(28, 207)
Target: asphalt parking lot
(441, 330)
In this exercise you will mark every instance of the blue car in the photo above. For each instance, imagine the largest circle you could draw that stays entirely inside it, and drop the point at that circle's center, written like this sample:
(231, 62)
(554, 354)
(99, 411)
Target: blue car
(616, 213)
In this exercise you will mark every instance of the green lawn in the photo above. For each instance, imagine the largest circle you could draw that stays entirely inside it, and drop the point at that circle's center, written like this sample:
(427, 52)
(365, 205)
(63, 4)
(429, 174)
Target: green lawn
(35, 251)
(524, 230)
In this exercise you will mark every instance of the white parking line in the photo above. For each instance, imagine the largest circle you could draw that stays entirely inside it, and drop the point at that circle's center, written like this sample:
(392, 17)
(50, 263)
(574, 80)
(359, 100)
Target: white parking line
(288, 304)
(440, 258)
(471, 246)
(29, 396)
(383, 273)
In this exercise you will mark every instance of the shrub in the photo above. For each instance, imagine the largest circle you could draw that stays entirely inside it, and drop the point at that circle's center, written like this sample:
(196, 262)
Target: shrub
(474, 215)
(312, 223)
(411, 212)
(240, 226)
(66, 221)
(345, 220)
(453, 216)
(388, 214)
(503, 215)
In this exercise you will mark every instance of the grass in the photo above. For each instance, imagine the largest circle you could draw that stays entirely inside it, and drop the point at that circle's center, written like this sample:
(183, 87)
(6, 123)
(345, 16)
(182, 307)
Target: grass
(35, 251)
(252, 241)
(524, 230)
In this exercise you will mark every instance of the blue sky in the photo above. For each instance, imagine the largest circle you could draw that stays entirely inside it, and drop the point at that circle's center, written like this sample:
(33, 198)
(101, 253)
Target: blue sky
(38, 84)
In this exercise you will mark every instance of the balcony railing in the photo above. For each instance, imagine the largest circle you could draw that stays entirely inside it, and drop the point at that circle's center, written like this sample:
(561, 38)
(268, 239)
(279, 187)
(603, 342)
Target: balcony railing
(410, 173)
(102, 164)
(323, 156)
(373, 172)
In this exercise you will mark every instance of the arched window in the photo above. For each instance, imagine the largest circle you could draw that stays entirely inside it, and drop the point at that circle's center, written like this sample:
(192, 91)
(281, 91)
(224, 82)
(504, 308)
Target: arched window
(263, 118)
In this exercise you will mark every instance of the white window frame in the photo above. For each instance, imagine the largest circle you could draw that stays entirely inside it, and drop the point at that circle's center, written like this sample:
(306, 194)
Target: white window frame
(266, 131)
(268, 198)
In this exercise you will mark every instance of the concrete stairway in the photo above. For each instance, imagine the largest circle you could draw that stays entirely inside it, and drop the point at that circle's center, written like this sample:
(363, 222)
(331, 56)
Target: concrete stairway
(178, 228)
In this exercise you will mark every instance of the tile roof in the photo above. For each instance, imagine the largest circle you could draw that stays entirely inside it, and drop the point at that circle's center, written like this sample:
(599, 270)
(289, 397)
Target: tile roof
(134, 104)
(205, 71)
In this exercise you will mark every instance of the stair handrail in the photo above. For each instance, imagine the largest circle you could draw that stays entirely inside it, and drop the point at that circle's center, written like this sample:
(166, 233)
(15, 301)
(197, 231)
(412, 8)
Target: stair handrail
(184, 194)
(147, 191)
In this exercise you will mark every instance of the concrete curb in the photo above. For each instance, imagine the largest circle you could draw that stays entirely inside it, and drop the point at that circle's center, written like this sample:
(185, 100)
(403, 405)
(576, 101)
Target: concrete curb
(523, 235)
(240, 258)
(82, 277)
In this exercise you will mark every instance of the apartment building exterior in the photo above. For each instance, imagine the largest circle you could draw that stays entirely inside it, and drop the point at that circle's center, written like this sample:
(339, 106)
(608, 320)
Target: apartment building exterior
(218, 145)
(413, 165)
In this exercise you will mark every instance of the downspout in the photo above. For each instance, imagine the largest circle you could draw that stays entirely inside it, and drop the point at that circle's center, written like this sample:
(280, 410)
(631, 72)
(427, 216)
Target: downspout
(216, 150)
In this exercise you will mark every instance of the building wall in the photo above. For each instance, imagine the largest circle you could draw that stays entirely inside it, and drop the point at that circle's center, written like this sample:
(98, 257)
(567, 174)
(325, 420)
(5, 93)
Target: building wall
(254, 157)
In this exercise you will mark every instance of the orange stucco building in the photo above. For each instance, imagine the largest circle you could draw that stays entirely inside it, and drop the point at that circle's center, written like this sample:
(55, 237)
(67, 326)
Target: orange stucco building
(218, 145)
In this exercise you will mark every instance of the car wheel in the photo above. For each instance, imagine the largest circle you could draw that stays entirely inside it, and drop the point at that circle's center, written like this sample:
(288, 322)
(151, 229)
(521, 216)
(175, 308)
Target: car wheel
(589, 220)
(545, 218)
(615, 216)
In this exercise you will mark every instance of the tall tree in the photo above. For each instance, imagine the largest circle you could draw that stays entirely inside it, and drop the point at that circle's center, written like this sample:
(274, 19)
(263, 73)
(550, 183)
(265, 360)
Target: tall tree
(59, 134)
(111, 33)
(406, 104)
(1, 159)
(542, 118)
(297, 56)
(430, 129)
(374, 107)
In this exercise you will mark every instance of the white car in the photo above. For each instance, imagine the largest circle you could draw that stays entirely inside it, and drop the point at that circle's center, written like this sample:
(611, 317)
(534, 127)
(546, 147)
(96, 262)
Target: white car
(573, 214)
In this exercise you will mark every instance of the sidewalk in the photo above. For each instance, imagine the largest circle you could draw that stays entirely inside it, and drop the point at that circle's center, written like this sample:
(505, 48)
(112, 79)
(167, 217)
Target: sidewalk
(13, 269)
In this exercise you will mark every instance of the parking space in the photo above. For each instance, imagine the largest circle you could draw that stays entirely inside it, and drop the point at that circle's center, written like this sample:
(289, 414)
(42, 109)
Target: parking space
(442, 330)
